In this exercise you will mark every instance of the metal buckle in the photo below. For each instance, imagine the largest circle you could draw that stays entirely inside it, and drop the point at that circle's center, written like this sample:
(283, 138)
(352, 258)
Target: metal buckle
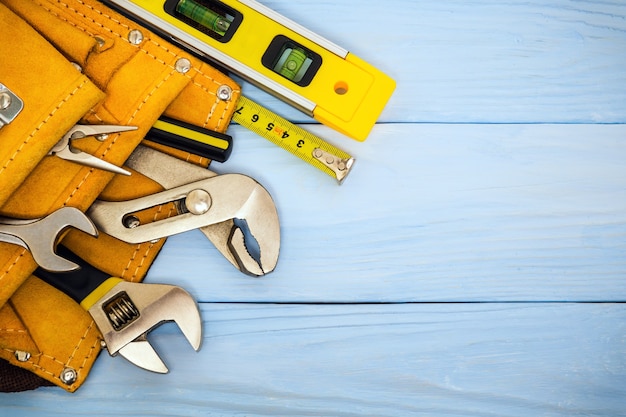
(10, 105)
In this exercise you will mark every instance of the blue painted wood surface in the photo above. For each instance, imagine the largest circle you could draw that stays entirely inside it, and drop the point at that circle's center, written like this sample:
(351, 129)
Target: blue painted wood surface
(472, 264)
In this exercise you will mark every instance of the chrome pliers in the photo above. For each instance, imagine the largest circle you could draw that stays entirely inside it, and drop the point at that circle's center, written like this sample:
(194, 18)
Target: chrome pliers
(234, 211)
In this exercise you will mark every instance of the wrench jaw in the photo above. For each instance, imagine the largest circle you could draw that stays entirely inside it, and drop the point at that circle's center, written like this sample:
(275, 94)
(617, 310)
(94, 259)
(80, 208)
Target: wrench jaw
(40, 236)
(129, 311)
(141, 353)
(63, 219)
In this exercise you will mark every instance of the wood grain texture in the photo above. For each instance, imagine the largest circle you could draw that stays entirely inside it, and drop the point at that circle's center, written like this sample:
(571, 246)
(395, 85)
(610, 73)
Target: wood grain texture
(425, 285)
(434, 213)
(487, 61)
(369, 360)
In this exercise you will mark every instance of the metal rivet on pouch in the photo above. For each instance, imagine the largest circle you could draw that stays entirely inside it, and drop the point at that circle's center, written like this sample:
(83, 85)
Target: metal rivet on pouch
(68, 376)
(183, 65)
(5, 101)
(22, 356)
(78, 67)
(224, 92)
(135, 37)
(100, 41)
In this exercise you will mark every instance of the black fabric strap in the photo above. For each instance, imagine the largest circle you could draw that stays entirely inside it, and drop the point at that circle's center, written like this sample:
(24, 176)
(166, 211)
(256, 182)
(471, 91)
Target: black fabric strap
(15, 379)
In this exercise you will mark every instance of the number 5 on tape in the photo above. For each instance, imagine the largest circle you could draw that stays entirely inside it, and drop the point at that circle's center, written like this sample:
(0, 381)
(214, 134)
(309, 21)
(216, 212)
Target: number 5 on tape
(291, 62)
(306, 146)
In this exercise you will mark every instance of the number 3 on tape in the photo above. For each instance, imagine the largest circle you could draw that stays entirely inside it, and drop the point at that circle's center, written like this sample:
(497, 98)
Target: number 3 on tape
(294, 139)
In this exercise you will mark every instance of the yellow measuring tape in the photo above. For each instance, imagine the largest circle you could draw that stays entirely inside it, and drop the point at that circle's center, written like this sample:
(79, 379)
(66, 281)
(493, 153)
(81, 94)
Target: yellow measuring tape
(305, 145)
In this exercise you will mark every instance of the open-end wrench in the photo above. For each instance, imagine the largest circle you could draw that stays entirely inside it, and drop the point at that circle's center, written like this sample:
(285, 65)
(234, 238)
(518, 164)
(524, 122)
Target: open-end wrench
(40, 236)
(234, 211)
(125, 312)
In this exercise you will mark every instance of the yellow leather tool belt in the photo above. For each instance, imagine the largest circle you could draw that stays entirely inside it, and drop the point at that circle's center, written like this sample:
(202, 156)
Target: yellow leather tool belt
(77, 61)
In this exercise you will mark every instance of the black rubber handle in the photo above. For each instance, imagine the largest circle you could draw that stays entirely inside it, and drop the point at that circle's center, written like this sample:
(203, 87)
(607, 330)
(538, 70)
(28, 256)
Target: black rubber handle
(77, 284)
(173, 134)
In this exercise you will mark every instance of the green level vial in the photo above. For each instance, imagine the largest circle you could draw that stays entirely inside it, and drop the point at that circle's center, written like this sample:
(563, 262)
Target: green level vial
(205, 17)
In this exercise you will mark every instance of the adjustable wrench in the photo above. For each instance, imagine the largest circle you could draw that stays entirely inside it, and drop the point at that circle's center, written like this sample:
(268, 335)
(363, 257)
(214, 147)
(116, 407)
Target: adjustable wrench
(40, 236)
(126, 311)
(234, 211)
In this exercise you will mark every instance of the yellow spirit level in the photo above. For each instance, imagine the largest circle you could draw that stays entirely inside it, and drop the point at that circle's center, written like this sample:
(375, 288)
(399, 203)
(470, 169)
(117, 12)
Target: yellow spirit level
(296, 65)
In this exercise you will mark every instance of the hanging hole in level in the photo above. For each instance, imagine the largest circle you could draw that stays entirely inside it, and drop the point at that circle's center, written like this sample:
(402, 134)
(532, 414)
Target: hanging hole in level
(341, 88)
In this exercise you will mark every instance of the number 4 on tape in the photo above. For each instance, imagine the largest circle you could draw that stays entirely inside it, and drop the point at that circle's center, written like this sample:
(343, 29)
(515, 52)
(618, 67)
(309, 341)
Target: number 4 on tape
(294, 139)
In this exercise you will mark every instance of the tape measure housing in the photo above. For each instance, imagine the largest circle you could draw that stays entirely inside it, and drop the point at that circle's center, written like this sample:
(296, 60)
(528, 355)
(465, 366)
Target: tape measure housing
(306, 146)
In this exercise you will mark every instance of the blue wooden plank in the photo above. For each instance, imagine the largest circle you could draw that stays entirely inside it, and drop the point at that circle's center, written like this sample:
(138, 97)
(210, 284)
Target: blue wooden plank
(379, 360)
(482, 61)
(433, 213)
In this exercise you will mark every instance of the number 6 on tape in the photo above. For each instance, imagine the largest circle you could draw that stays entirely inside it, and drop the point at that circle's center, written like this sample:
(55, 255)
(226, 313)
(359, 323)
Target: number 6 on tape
(296, 65)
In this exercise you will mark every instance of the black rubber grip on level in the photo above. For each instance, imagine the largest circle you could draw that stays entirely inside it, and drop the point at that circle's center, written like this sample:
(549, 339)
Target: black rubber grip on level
(77, 284)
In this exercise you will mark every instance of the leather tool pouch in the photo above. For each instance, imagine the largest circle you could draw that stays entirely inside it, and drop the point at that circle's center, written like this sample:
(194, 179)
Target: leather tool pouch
(74, 61)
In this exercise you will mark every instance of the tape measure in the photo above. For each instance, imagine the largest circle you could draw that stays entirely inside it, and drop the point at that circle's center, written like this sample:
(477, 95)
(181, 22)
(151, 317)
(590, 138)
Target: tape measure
(305, 145)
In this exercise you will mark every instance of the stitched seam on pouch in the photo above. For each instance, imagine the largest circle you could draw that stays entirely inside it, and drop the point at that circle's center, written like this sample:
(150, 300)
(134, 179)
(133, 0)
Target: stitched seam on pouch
(80, 341)
(196, 159)
(33, 364)
(117, 22)
(13, 331)
(152, 41)
(15, 262)
(89, 353)
(143, 102)
(142, 260)
(92, 111)
(41, 368)
(211, 112)
(38, 128)
(156, 87)
(70, 358)
(217, 100)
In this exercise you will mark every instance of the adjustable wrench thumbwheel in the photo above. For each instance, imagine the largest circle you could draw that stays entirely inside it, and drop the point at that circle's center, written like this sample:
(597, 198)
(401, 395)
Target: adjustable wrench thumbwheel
(125, 312)
(40, 236)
